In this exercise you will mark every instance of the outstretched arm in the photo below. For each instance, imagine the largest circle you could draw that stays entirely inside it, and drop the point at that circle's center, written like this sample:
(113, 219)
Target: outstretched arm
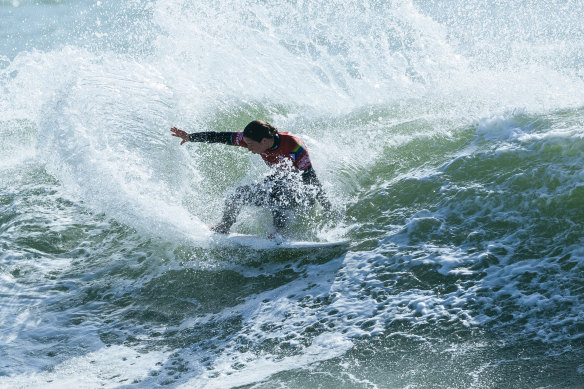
(206, 137)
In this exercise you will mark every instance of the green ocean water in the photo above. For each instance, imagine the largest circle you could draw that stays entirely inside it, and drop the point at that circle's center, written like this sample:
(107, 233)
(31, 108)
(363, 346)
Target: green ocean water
(455, 160)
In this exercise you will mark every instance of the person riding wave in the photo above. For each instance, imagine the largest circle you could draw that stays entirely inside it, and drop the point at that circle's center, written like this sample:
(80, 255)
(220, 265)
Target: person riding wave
(292, 184)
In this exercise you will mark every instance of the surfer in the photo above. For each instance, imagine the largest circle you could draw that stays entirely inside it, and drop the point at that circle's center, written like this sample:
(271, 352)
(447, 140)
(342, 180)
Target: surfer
(293, 183)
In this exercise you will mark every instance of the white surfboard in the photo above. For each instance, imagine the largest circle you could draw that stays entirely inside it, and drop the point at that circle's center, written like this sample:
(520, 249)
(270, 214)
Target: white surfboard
(260, 243)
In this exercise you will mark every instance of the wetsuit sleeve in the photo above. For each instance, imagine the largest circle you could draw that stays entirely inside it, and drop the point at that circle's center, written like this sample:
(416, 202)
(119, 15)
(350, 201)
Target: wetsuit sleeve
(213, 137)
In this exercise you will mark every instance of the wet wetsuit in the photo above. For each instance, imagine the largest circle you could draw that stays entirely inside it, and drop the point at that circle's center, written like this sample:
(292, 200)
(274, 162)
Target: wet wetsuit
(293, 184)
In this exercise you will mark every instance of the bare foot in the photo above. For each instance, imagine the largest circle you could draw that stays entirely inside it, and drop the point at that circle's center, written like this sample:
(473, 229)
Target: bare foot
(276, 237)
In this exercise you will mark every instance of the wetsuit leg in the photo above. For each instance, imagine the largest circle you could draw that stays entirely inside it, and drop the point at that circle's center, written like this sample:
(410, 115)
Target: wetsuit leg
(282, 199)
(254, 194)
(280, 218)
(279, 195)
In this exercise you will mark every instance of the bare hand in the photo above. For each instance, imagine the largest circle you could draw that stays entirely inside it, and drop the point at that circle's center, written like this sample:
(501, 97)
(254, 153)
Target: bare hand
(180, 134)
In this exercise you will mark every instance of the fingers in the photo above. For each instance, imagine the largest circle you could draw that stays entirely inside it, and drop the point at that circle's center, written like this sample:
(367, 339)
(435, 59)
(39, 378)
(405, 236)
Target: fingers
(180, 134)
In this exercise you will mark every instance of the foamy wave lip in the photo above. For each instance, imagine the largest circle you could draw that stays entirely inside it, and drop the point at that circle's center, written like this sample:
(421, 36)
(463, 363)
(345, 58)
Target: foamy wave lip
(516, 126)
(499, 128)
(324, 347)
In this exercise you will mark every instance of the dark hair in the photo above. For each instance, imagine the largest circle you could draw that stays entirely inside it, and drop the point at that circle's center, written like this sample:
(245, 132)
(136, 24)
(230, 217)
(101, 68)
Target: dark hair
(258, 130)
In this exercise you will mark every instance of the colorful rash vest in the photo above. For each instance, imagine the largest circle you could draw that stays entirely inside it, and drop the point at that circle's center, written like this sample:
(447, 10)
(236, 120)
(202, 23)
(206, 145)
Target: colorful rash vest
(286, 147)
